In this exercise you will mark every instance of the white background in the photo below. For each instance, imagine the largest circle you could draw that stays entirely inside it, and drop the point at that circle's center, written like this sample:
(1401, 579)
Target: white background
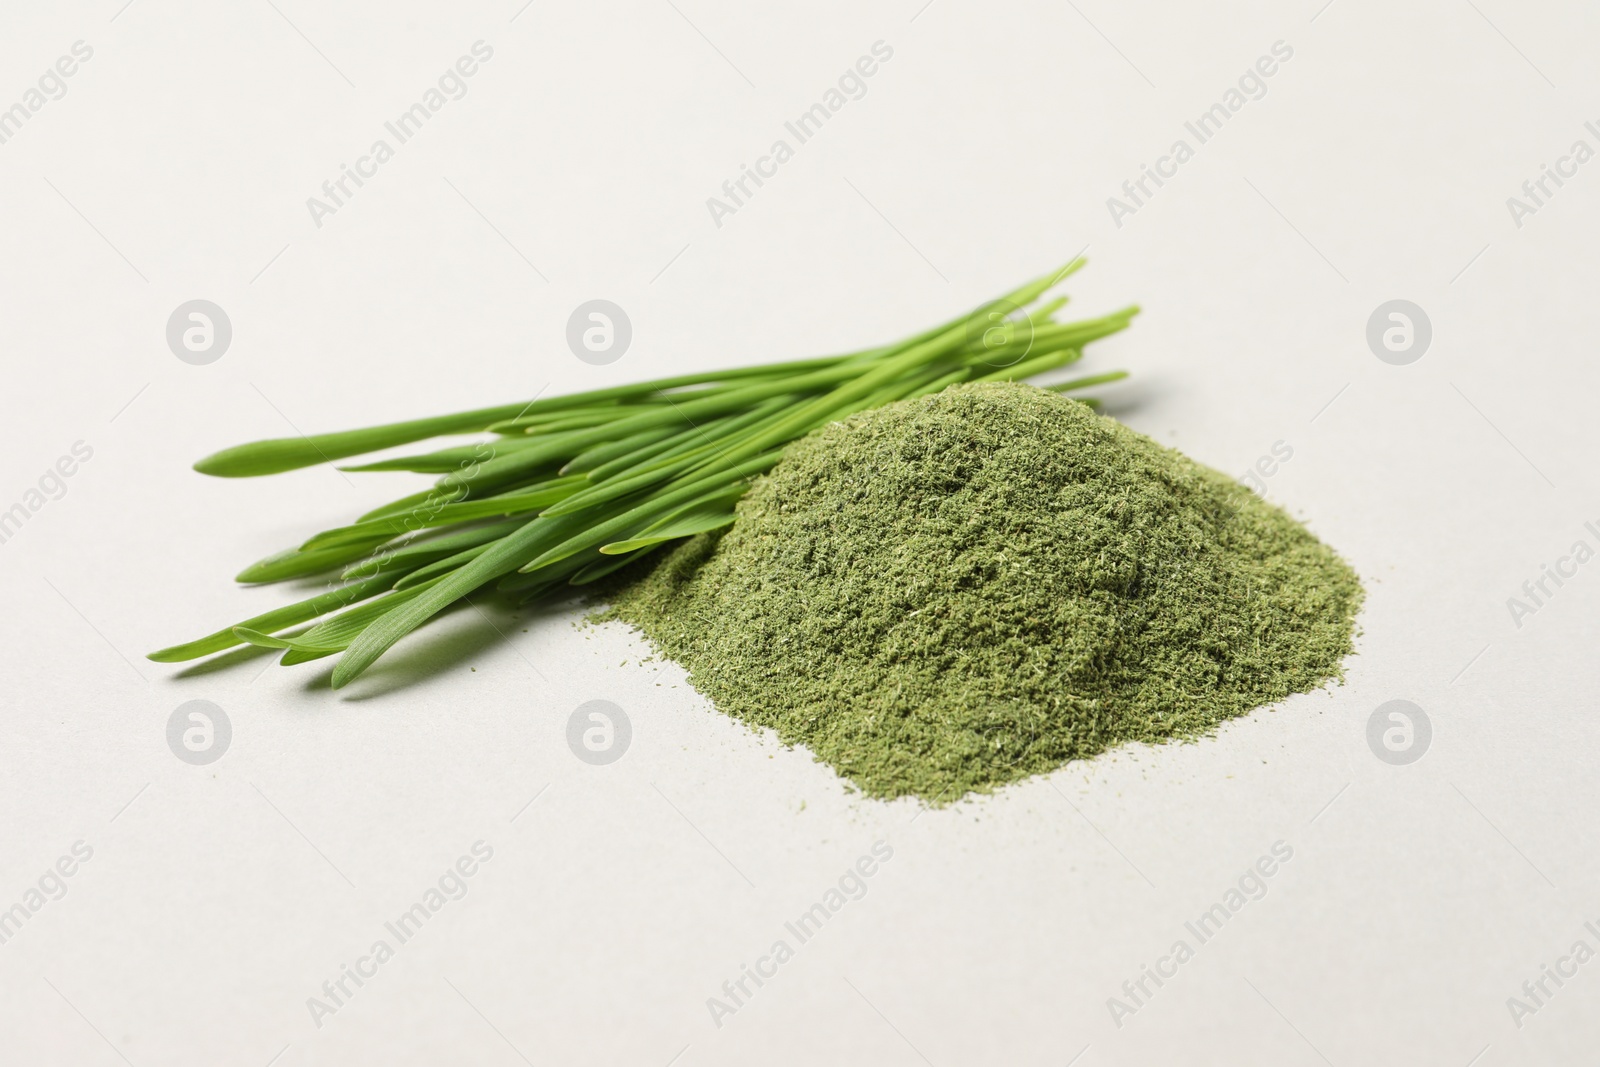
(220, 898)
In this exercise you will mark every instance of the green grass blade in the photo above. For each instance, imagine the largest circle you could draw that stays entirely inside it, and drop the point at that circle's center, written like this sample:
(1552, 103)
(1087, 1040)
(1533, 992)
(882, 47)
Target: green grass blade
(293, 656)
(428, 498)
(530, 498)
(663, 386)
(697, 521)
(504, 556)
(670, 497)
(617, 488)
(301, 563)
(277, 619)
(291, 453)
(335, 634)
(520, 586)
(345, 627)
(1088, 380)
(589, 459)
(261, 640)
(1029, 367)
(692, 438)
(446, 460)
(443, 566)
(597, 570)
(423, 551)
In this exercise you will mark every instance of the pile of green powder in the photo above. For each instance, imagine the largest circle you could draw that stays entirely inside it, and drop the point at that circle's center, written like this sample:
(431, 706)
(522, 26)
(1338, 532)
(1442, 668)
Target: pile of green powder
(965, 589)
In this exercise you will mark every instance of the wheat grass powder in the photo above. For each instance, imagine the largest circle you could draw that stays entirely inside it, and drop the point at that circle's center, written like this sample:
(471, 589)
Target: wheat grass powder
(965, 589)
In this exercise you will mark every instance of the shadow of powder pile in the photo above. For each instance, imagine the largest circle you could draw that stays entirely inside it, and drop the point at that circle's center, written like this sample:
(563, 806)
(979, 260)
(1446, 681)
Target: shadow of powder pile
(961, 590)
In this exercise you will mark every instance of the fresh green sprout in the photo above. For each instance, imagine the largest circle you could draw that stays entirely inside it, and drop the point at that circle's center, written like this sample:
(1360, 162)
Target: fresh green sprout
(573, 488)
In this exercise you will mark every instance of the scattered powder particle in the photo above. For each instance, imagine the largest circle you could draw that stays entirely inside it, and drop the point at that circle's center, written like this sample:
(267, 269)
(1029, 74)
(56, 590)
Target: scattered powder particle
(962, 590)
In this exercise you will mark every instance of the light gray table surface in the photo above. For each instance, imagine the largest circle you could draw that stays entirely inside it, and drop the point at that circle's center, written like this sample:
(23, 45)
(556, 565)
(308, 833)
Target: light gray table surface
(184, 158)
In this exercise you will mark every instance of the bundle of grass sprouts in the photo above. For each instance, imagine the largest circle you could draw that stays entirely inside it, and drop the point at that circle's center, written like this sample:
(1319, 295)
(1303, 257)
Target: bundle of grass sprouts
(572, 488)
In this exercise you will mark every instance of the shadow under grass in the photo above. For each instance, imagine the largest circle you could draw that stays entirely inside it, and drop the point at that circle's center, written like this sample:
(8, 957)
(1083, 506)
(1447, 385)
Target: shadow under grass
(474, 627)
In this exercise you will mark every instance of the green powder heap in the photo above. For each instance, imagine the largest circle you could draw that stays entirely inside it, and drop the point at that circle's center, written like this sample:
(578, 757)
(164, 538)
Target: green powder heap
(961, 590)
